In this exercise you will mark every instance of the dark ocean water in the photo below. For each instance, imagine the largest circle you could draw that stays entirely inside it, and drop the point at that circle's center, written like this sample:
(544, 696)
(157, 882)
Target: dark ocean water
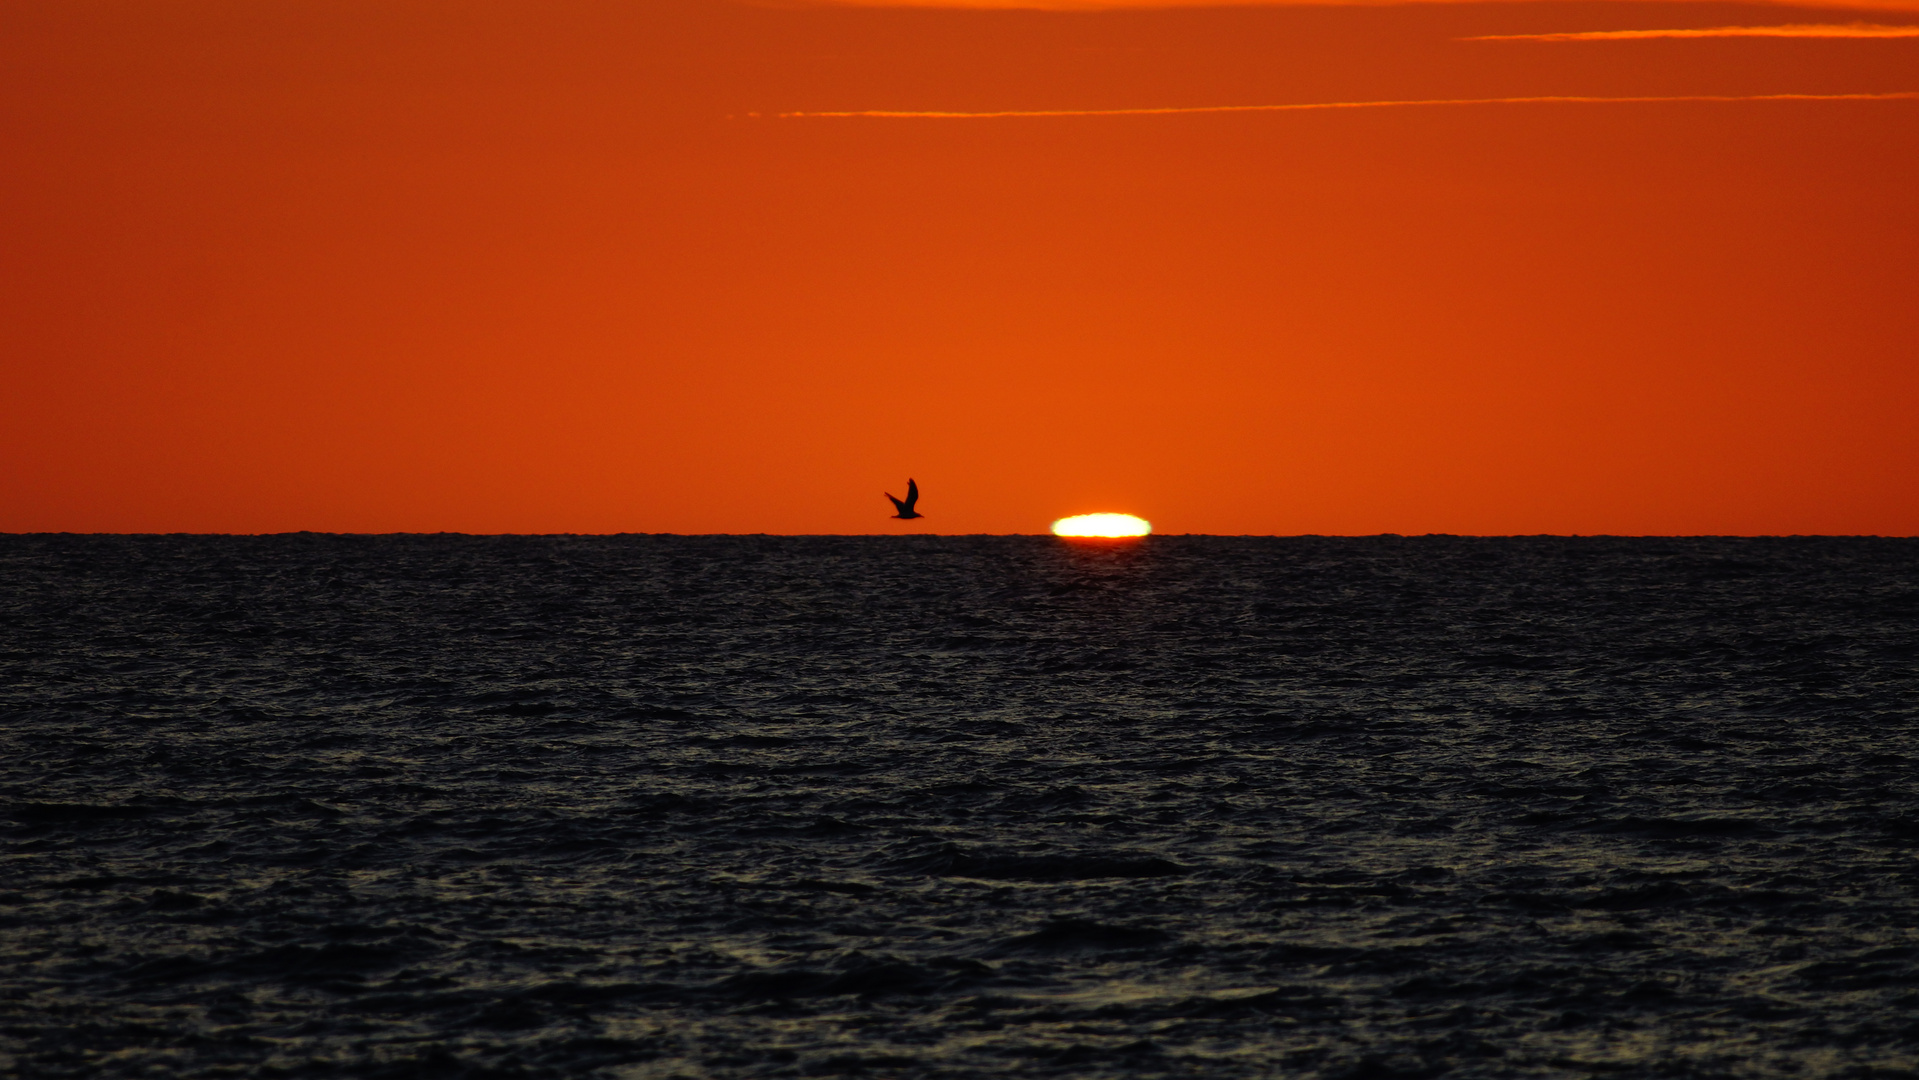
(631, 807)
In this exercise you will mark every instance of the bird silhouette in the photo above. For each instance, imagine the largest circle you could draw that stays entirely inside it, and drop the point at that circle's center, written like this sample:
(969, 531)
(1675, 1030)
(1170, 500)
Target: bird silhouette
(905, 506)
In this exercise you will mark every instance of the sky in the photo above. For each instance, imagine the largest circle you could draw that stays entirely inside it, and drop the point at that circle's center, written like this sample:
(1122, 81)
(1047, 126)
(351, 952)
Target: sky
(704, 266)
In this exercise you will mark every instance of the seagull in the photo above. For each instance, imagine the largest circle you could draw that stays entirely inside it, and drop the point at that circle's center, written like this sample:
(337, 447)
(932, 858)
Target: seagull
(905, 506)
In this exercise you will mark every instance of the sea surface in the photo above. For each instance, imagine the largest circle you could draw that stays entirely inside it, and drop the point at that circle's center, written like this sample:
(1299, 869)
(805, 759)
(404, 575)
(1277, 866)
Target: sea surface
(655, 806)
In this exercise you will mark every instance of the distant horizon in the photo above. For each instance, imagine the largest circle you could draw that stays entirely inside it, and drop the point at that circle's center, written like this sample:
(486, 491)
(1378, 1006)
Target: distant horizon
(1095, 541)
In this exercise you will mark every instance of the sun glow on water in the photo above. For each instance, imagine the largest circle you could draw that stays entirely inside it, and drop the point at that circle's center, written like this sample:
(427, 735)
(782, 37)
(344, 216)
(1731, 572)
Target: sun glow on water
(1102, 525)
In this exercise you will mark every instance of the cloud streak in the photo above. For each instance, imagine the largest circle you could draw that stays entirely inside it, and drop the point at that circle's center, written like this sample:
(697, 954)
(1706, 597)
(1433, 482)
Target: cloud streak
(1318, 106)
(1150, 5)
(1791, 30)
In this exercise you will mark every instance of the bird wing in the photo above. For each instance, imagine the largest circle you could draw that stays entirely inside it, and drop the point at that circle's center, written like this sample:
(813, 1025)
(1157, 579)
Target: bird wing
(900, 507)
(912, 493)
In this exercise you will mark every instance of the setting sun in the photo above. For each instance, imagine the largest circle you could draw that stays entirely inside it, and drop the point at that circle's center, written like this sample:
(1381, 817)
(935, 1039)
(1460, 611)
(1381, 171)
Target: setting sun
(1104, 525)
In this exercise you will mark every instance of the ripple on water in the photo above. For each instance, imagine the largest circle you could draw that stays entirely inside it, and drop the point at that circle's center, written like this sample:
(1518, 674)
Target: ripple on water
(955, 806)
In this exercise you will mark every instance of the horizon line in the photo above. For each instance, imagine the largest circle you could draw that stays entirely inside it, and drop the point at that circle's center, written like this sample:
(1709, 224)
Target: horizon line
(974, 535)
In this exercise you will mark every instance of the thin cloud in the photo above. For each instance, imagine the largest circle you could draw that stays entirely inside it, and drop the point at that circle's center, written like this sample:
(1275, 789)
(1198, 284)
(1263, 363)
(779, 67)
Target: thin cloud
(1313, 106)
(1147, 5)
(1790, 30)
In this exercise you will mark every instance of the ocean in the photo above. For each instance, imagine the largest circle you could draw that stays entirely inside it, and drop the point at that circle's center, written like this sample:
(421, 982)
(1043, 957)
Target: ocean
(752, 806)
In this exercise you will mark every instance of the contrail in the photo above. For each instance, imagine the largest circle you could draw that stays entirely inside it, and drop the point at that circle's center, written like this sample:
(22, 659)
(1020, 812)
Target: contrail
(1162, 5)
(1312, 106)
(1791, 30)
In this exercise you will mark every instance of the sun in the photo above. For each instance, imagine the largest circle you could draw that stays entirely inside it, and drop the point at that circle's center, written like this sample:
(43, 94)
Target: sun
(1102, 525)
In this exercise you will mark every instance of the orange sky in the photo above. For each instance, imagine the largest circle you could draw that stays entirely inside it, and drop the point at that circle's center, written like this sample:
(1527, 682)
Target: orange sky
(374, 265)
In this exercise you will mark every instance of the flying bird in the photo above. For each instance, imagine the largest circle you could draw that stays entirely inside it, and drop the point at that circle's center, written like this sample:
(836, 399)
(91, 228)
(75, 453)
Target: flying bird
(905, 506)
